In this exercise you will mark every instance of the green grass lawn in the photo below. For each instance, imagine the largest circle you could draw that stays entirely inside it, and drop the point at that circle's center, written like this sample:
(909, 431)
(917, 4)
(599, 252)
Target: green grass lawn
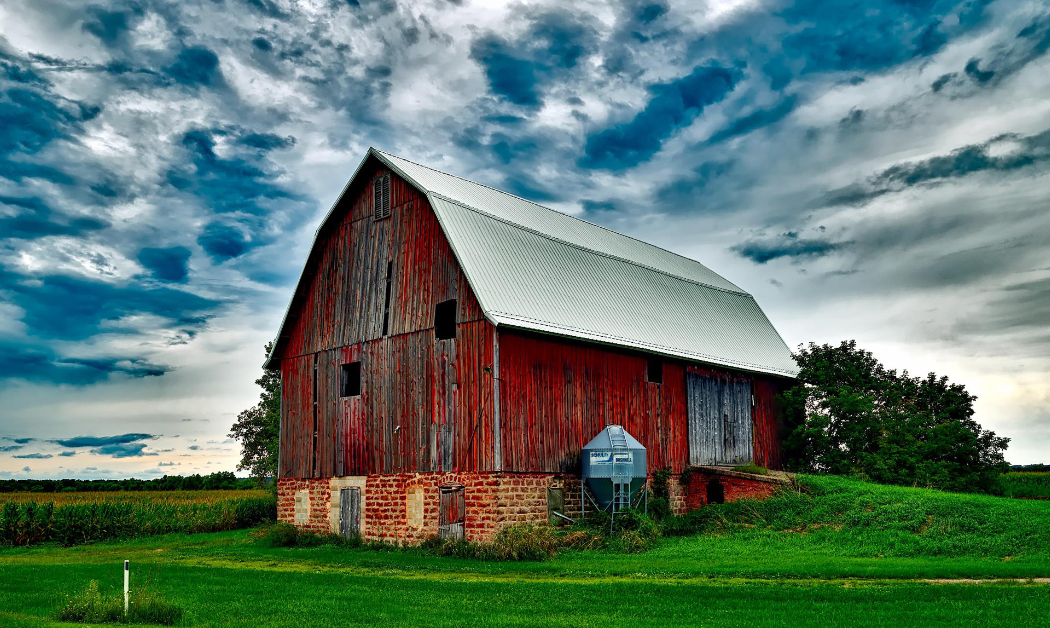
(846, 553)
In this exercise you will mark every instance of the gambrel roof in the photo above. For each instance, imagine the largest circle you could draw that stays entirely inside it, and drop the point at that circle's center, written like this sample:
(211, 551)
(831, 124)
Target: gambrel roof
(537, 269)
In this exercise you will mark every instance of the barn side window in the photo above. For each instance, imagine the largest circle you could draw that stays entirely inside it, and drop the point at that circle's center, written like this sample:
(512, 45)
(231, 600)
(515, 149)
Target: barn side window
(656, 371)
(381, 196)
(445, 320)
(350, 379)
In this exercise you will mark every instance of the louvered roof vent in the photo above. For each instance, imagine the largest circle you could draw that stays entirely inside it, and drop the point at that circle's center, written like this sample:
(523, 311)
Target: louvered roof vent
(381, 196)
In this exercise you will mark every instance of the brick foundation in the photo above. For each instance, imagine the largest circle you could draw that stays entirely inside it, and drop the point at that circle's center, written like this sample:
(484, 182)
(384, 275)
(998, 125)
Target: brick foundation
(735, 485)
(403, 508)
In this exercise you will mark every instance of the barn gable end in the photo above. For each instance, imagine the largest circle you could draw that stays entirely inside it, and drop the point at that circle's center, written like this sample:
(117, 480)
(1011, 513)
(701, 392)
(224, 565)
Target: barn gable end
(368, 296)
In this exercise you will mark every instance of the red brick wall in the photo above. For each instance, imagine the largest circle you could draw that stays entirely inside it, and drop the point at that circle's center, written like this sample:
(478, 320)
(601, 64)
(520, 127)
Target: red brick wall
(319, 502)
(492, 500)
(735, 487)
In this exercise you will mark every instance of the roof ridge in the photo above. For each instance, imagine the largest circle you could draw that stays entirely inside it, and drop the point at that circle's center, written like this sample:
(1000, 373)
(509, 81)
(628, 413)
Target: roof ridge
(577, 218)
(584, 248)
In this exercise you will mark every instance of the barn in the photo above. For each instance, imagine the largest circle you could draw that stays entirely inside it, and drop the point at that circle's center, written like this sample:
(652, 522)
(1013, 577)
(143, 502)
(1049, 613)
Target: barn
(450, 348)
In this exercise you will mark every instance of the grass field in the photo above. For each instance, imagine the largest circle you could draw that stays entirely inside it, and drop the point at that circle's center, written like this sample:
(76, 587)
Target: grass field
(848, 554)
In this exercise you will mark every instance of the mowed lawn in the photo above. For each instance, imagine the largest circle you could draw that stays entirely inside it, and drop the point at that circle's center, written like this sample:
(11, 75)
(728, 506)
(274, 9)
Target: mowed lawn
(835, 553)
(224, 579)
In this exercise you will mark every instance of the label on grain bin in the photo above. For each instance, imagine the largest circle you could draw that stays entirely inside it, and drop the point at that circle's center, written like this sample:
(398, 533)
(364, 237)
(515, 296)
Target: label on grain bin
(607, 457)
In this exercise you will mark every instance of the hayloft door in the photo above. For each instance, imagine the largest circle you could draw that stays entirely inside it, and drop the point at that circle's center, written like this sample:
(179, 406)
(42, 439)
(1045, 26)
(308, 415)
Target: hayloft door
(349, 512)
(720, 424)
(452, 512)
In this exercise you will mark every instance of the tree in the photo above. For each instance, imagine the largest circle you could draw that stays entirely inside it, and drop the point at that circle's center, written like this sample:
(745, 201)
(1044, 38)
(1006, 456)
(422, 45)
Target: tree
(849, 415)
(258, 427)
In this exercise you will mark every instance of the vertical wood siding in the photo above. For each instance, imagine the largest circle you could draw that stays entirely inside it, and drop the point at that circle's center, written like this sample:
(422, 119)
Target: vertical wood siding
(343, 295)
(768, 423)
(425, 404)
(556, 396)
(721, 430)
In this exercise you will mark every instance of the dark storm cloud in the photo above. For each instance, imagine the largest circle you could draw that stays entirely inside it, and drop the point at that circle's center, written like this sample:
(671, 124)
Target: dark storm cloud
(103, 441)
(34, 456)
(680, 193)
(973, 71)
(266, 8)
(20, 441)
(519, 69)
(35, 219)
(30, 120)
(1032, 42)
(129, 450)
(195, 66)
(166, 264)
(787, 244)
(267, 141)
(865, 36)
(108, 25)
(1019, 153)
(6, 448)
(754, 120)
(67, 454)
(38, 363)
(672, 105)
(237, 183)
(72, 308)
(222, 242)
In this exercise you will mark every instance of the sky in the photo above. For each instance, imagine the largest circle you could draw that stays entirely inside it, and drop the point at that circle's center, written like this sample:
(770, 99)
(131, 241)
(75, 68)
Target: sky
(874, 170)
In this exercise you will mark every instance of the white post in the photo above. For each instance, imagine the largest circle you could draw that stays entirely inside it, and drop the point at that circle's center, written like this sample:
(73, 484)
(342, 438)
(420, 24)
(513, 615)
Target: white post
(127, 578)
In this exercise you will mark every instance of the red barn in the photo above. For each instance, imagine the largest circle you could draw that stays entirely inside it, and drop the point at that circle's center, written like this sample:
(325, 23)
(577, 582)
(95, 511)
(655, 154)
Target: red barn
(450, 348)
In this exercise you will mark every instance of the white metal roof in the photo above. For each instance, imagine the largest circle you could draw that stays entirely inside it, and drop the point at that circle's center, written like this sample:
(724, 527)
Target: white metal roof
(537, 269)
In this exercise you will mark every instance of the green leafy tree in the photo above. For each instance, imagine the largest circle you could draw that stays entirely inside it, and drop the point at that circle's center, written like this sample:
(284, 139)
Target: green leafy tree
(258, 427)
(849, 415)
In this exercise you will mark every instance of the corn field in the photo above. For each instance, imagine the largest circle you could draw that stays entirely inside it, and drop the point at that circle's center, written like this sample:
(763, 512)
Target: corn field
(75, 518)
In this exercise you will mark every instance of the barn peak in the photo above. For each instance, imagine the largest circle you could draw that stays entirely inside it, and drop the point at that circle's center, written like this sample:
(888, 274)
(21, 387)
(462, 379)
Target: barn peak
(533, 268)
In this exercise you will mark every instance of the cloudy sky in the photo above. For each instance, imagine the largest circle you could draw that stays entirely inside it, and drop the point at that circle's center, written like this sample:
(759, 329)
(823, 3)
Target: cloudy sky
(878, 171)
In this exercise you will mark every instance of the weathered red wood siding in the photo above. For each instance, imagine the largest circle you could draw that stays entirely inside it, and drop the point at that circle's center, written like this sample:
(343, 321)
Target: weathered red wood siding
(555, 396)
(768, 422)
(426, 404)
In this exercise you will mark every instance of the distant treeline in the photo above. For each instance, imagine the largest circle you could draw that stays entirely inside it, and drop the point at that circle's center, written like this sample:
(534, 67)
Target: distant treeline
(1030, 468)
(220, 480)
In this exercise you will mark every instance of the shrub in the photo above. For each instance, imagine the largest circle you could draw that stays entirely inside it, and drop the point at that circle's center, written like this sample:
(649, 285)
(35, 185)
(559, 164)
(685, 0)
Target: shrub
(524, 543)
(146, 607)
(278, 535)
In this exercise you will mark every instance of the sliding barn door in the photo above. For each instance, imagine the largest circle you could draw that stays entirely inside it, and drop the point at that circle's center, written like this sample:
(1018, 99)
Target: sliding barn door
(720, 426)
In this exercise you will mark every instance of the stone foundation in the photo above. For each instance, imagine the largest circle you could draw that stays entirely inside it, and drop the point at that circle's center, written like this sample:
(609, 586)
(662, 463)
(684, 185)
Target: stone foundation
(403, 508)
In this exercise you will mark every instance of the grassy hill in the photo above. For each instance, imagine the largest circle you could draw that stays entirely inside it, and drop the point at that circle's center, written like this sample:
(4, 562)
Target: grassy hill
(837, 553)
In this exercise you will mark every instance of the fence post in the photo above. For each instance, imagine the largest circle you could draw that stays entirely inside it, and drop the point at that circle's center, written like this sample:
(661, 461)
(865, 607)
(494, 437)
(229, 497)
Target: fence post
(127, 578)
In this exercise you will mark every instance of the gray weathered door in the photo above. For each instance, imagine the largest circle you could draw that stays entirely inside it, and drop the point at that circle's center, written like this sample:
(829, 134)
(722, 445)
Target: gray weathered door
(349, 512)
(720, 424)
(452, 512)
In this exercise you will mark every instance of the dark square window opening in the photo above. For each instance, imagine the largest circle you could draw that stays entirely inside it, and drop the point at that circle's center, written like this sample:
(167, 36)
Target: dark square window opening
(445, 320)
(350, 379)
(655, 371)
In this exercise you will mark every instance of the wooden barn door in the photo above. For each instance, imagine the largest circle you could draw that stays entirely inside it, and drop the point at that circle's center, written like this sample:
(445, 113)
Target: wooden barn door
(452, 509)
(349, 512)
(720, 424)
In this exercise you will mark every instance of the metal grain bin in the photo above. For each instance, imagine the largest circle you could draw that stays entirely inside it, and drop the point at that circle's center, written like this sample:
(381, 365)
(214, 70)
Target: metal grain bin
(614, 468)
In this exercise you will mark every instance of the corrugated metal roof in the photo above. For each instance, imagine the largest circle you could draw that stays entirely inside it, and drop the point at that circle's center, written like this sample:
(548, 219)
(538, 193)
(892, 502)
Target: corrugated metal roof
(537, 269)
